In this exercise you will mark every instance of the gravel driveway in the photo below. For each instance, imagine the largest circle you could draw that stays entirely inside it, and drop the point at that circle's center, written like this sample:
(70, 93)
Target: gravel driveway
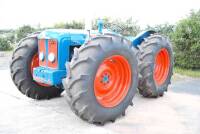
(4, 60)
(178, 112)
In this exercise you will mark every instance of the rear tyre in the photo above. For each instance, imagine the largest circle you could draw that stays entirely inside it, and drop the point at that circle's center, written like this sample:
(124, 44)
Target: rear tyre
(102, 79)
(155, 66)
(24, 59)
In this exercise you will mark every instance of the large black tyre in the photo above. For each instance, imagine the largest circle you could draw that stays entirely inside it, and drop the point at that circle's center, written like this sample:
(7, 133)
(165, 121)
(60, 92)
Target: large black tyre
(149, 48)
(79, 84)
(21, 71)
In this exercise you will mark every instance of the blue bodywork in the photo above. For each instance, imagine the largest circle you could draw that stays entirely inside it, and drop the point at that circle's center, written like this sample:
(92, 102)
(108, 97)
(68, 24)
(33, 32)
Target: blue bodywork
(67, 40)
(140, 37)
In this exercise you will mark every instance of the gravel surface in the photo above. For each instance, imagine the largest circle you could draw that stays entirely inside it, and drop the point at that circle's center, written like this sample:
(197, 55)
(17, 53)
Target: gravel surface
(177, 112)
(5, 58)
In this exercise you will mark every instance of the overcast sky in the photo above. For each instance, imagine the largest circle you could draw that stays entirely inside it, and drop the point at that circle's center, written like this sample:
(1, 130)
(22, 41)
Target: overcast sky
(14, 13)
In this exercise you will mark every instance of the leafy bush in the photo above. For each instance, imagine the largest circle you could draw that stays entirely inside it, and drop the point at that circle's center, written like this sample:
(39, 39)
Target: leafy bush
(70, 25)
(5, 44)
(23, 31)
(165, 29)
(187, 42)
(126, 27)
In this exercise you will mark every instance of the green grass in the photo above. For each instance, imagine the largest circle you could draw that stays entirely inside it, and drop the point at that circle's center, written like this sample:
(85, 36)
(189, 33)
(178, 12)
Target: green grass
(188, 72)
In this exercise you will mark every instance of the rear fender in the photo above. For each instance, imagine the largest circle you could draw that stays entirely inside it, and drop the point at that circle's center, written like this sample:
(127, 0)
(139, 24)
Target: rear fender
(141, 36)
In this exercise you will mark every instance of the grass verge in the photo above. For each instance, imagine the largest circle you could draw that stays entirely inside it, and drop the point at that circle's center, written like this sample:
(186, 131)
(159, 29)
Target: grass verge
(192, 73)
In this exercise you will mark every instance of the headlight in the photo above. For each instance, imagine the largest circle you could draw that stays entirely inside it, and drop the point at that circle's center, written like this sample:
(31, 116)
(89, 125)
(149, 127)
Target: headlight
(51, 57)
(41, 56)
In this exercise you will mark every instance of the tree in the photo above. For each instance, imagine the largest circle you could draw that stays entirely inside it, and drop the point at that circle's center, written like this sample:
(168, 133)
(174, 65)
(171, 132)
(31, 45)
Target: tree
(187, 41)
(23, 31)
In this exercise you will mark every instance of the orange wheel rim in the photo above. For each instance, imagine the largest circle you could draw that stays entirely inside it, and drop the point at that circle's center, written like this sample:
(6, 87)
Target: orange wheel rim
(161, 68)
(112, 81)
(34, 64)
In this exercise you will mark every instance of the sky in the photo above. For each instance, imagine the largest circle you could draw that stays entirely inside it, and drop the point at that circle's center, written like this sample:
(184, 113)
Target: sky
(15, 13)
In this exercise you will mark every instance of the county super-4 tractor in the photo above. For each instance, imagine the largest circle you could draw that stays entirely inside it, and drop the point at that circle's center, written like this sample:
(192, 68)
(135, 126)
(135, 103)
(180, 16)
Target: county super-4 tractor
(100, 70)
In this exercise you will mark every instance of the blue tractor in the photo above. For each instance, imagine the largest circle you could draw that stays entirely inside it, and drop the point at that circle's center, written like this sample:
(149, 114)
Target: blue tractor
(100, 70)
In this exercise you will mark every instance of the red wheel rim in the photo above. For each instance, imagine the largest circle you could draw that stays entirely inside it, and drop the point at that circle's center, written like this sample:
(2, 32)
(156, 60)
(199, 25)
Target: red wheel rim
(35, 63)
(161, 68)
(112, 81)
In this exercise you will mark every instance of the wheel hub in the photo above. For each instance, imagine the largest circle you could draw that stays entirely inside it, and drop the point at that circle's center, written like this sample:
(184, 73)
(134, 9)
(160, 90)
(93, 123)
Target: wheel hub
(105, 79)
(112, 81)
(162, 65)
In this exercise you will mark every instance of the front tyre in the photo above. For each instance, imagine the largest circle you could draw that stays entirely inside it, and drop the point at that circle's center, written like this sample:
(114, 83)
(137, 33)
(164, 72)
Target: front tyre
(24, 59)
(102, 79)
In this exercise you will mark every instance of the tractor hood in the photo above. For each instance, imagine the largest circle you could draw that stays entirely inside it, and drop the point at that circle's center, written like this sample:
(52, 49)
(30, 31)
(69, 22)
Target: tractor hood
(73, 34)
(60, 34)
